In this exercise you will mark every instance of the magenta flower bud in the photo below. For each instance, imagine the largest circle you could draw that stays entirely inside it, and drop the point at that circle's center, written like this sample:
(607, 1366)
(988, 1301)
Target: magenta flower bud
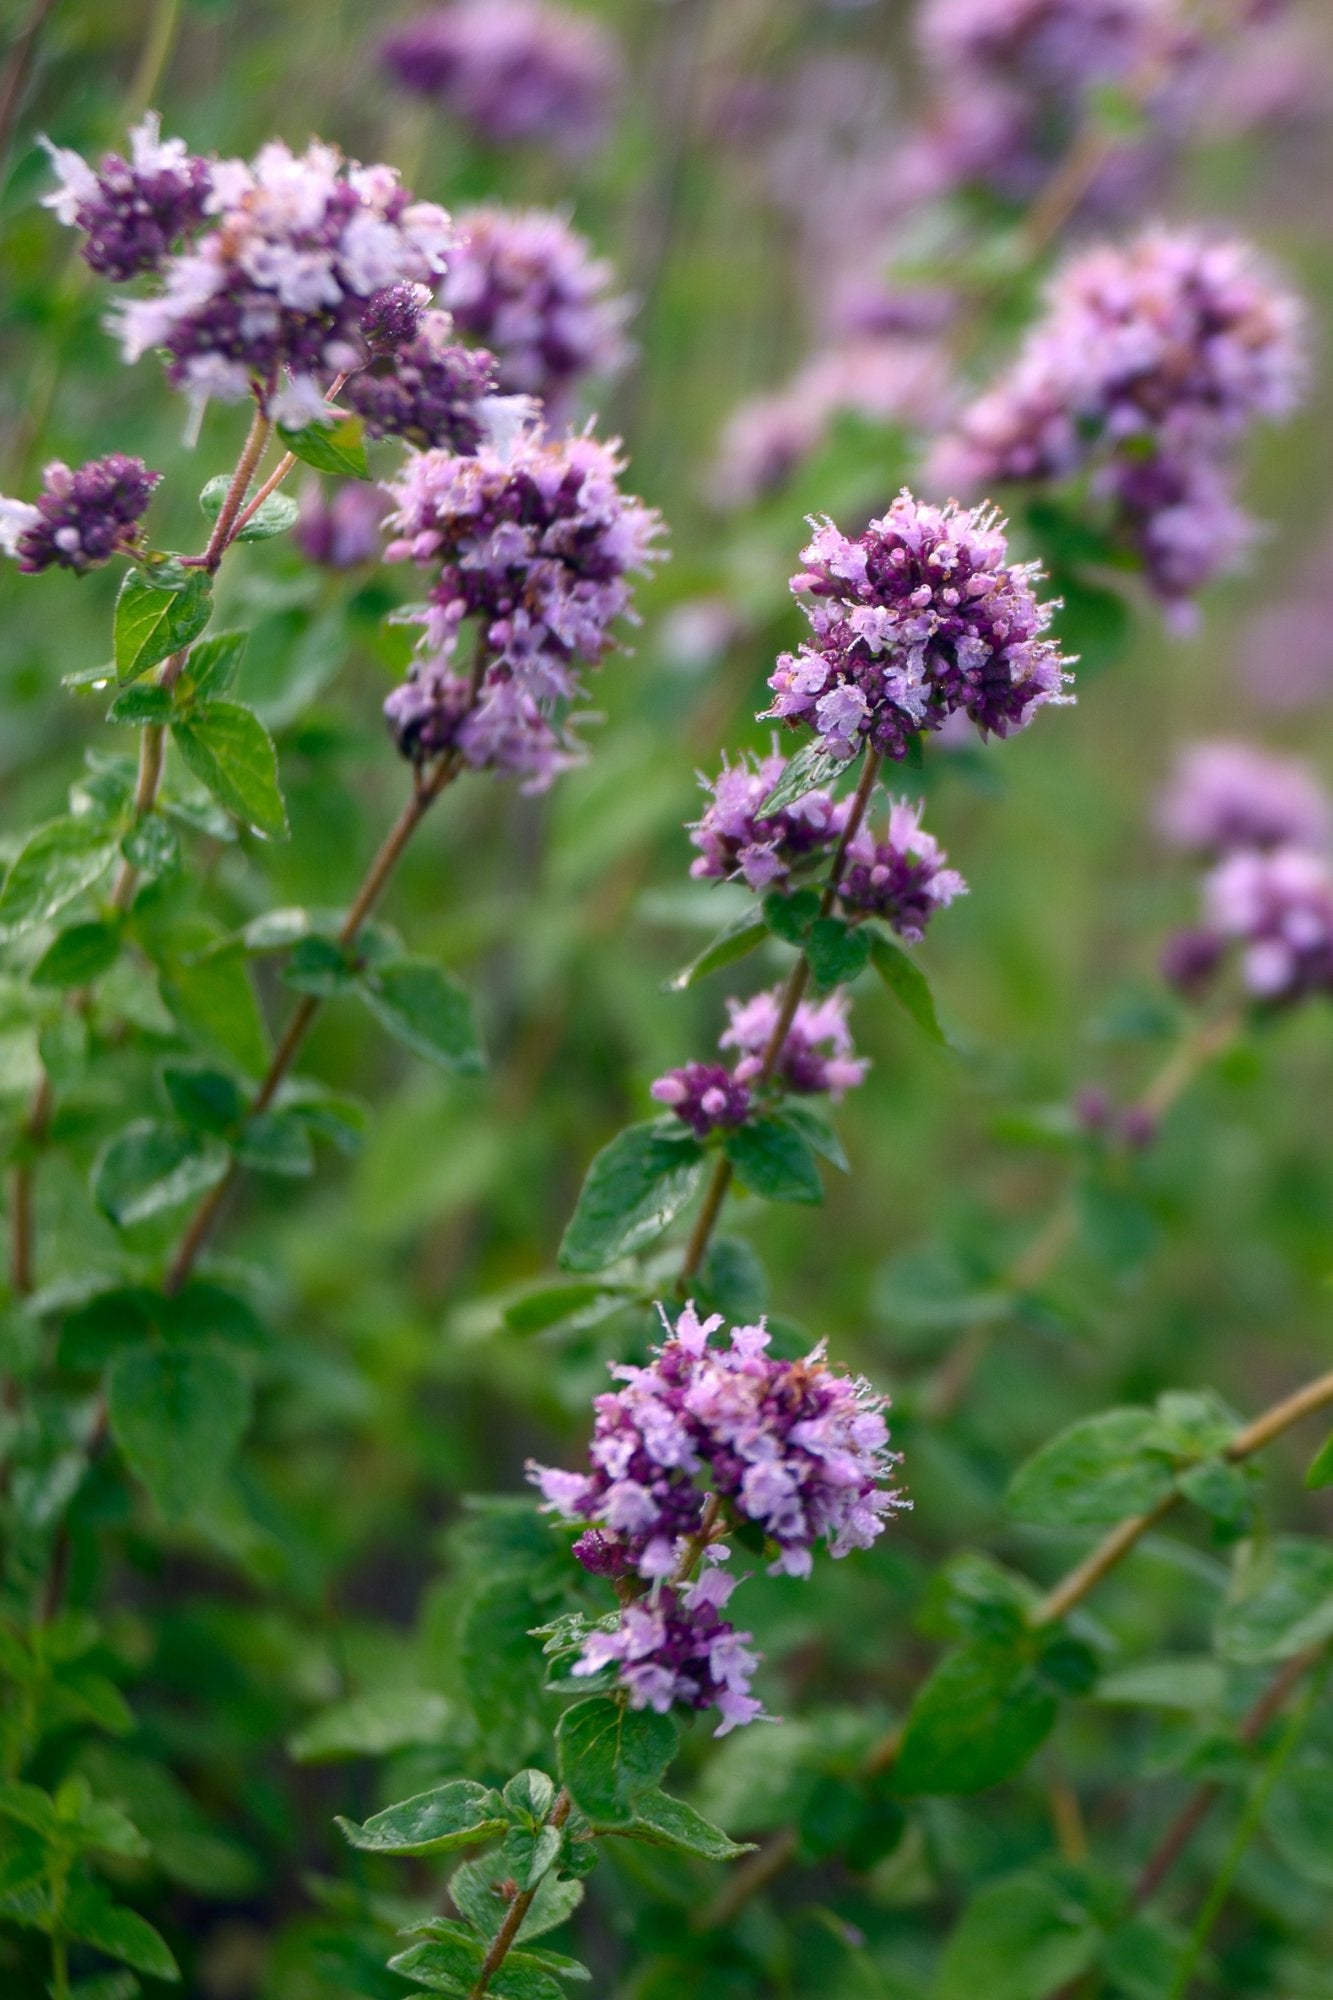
(901, 879)
(704, 1096)
(80, 519)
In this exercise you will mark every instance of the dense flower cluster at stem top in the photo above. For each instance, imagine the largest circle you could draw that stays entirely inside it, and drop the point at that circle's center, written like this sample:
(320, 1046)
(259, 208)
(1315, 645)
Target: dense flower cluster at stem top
(792, 1447)
(528, 286)
(1266, 822)
(917, 619)
(534, 540)
(430, 391)
(291, 256)
(80, 519)
(816, 1059)
(511, 70)
(132, 212)
(1147, 367)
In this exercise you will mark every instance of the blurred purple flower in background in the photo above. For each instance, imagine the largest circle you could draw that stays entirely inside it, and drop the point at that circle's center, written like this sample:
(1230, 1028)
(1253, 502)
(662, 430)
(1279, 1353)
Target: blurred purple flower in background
(511, 70)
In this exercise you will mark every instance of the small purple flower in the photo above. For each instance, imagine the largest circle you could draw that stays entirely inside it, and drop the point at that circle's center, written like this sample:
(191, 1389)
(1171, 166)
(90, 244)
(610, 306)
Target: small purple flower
(537, 542)
(816, 1054)
(80, 519)
(272, 296)
(1279, 908)
(734, 839)
(511, 70)
(430, 391)
(528, 287)
(341, 529)
(675, 1648)
(705, 1096)
(920, 616)
(135, 211)
(393, 317)
(1224, 795)
(902, 879)
(1189, 960)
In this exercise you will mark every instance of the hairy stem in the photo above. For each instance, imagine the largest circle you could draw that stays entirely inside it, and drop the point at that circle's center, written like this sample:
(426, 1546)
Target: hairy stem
(278, 474)
(518, 1909)
(792, 994)
(252, 451)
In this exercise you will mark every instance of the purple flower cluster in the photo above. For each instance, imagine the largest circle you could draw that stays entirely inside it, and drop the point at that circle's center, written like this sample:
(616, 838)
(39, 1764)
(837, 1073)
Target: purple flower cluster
(274, 292)
(80, 519)
(528, 286)
(704, 1096)
(511, 70)
(1224, 795)
(701, 1441)
(734, 838)
(902, 878)
(1265, 821)
(535, 540)
(919, 617)
(133, 212)
(816, 1057)
(1148, 366)
(430, 391)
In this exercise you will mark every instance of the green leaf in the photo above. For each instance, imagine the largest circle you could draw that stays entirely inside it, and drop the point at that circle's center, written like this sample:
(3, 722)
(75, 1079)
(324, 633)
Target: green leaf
(790, 915)
(1320, 1472)
(152, 846)
(213, 664)
(808, 771)
(151, 1167)
(634, 1188)
(211, 996)
(56, 864)
(458, 1814)
(611, 1755)
(178, 1415)
(319, 965)
(477, 1889)
(976, 1722)
(275, 1142)
(1099, 1469)
(336, 447)
(207, 1099)
(837, 952)
(446, 1963)
(427, 1010)
(736, 941)
(155, 619)
(1019, 1939)
(141, 704)
(78, 956)
(229, 750)
(108, 1986)
(666, 1822)
(529, 1796)
(551, 1305)
(813, 1126)
(775, 1160)
(90, 1916)
(1280, 1601)
(1193, 1685)
(372, 1725)
(907, 983)
(272, 517)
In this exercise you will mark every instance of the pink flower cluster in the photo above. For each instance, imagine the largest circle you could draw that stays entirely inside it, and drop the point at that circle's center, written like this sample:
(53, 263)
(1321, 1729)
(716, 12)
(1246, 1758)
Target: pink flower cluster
(701, 1441)
(816, 1060)
(1265, 821)
(735, 838)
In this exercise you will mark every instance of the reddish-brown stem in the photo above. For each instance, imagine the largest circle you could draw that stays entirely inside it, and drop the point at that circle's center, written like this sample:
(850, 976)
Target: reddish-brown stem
(518, 1909)
(200, 1225)
(251, 453)
(792, 995)
(276, 477)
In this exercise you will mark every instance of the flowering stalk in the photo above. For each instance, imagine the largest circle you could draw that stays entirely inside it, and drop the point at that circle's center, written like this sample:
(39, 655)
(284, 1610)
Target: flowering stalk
(797, 981)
